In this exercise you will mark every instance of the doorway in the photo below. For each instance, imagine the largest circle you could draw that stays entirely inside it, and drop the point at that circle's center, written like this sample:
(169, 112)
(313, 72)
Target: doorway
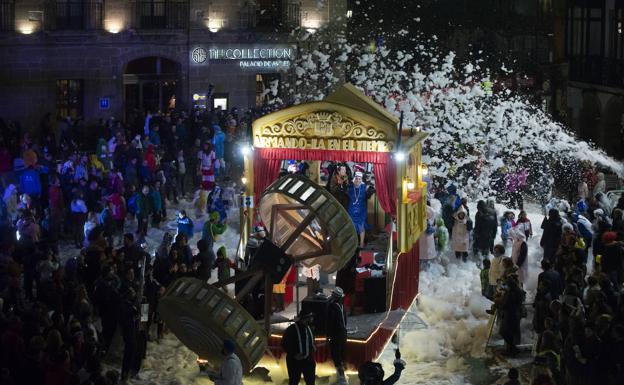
(150, 84)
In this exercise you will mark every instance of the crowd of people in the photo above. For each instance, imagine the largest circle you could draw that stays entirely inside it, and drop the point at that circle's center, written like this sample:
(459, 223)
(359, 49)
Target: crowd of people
(578, 315)
(74, 268)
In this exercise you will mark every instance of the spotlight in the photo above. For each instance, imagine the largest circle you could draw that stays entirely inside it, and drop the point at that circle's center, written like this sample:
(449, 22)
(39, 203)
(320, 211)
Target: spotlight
(399, 156)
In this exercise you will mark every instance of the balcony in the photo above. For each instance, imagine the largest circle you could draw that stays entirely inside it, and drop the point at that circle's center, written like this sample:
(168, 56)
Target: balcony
(73, 15)
(7, 15)
(162, 14)
(597, 70)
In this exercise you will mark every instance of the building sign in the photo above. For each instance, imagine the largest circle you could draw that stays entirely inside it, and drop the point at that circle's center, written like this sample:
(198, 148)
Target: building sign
(256, 57)
(199, 55)
(104, 103)
(322, 131)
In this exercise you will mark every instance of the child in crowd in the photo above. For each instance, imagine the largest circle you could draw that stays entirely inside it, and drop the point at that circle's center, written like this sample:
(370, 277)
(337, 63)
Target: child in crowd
(507, 222)
(495, 272)
(460, 238)
(224, 266)
(524, 224)
(441, 236)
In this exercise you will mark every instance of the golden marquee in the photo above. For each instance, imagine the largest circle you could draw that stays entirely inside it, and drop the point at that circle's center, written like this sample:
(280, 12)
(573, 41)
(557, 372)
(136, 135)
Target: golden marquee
(324, 130)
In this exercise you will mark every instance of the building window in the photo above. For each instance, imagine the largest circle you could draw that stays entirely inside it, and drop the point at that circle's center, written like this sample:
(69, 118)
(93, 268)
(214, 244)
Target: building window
(586, 29)
(7, 15)
(69, 98)
(74, 14)
(269, 14)
(162, 14)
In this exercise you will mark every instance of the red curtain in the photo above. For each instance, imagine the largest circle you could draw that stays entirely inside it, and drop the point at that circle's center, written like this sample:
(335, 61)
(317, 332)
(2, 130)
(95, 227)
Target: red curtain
(333, 155)
(268, 160)
(385, 184)
(266, 172)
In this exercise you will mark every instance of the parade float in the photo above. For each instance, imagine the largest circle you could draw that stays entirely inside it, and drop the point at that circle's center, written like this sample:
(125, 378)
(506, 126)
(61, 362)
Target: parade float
(306, 226)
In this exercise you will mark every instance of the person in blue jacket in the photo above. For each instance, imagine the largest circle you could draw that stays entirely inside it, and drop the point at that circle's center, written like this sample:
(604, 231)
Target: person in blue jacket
(185, 224)
(30, 182)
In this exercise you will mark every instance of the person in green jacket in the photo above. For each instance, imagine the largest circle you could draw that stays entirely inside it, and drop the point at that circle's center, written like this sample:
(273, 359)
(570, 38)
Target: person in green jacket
(211, 230)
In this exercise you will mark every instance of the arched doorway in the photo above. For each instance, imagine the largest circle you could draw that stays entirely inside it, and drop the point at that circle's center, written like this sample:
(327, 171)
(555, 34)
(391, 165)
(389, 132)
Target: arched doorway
(590, 118)
(613, 142)
(151, 84)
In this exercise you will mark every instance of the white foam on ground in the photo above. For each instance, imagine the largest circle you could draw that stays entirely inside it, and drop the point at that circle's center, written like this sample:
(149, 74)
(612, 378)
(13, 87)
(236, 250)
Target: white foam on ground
(450, 302)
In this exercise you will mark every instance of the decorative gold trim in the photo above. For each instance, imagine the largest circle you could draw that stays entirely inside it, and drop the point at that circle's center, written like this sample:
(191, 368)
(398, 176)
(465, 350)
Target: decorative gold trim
(323, 124)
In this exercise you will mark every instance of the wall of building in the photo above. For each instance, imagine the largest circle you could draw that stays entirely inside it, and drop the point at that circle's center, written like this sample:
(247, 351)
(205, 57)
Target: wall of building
(34, 57)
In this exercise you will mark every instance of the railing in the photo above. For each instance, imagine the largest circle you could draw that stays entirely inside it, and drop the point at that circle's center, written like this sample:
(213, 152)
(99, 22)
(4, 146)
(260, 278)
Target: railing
(162, 14)
(73, 15)
(7, 16)
(597, 70)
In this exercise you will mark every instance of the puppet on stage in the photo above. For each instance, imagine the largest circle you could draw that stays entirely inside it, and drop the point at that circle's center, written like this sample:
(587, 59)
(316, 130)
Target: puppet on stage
(358, 195)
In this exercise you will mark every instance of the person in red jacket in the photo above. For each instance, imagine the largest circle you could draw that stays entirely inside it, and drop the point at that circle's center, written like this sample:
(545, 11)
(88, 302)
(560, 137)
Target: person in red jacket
(150, 158)
(117, 206)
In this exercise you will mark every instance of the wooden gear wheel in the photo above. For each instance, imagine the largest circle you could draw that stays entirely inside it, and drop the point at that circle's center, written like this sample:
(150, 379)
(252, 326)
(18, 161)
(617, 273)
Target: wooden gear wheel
(308, 223)
(202, 317)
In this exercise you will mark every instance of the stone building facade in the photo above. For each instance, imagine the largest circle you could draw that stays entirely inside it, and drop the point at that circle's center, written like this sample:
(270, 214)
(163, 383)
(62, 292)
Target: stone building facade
(103, 58)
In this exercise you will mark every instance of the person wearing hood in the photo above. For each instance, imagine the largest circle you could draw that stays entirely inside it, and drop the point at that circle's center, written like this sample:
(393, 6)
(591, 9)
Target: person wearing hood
(224, 266)
(460, 237)
(584, 228)
(212, 228)
(427, 241)
(441, 236)
(484, 230)
(205, 259)
(600, 225)
(520, 254)
(218, 142)
(618, 206)
(450, 204)
(185, 224)
(601, 184)
(551, 236)
(582, 190)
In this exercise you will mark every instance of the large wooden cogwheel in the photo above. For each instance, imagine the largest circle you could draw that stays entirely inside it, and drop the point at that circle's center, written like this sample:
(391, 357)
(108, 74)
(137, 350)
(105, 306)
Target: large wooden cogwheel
(202, 317)
(306, 224)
